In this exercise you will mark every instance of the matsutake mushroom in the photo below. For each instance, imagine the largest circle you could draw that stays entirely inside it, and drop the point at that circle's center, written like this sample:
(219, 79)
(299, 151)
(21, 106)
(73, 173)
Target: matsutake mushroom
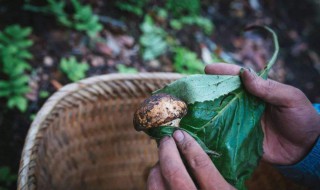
(159, 110)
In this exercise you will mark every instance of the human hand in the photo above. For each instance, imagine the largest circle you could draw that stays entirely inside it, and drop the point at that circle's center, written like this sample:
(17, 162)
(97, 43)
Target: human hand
(171, 173)
(290, 123)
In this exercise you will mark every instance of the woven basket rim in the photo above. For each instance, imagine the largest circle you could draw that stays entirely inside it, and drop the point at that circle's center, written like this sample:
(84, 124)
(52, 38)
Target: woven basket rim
(51, 103)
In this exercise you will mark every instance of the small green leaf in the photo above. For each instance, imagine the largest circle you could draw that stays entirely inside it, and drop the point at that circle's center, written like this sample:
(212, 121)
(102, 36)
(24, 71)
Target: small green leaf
(176, 24)
(74, 70)
(20, 81)
(43, 94)
(4, 84)
(186, 62)
(124, 69)
(4, 173)
(19, 102)
(23, 44)
(22, 90)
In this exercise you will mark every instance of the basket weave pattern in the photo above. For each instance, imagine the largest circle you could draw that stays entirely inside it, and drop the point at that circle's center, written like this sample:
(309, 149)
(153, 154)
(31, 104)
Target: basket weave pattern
(83, 137)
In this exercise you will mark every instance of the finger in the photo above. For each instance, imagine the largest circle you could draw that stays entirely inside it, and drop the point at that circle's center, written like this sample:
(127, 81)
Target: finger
(155, 180)
(271, 91)
(222, 69)
(172, 168)
(206, 174)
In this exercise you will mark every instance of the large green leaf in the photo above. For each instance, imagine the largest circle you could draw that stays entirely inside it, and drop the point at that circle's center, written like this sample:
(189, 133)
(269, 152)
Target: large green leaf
(224, 119)
(199, 88)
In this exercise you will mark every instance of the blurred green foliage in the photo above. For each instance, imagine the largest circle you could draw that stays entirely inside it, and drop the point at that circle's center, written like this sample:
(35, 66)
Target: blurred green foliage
(152, 40)
(44, 94)
(132, 6)
(199, 21)
(183, 7)
(186, 62)
(126, 70)
(82, 19)
(73, 69)
(6, 178)
(155, 40)
(13, 55)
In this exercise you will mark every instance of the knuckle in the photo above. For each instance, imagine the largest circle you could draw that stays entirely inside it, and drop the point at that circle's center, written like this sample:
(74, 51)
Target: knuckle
(254, 82)
(298, 97)
(186, 146)
(298, 93)
(171, 172)
(170, 167)
(268, 88)
(199, 162)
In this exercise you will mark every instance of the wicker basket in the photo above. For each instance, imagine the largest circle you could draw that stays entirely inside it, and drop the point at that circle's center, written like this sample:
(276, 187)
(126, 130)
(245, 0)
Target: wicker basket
(83, 138)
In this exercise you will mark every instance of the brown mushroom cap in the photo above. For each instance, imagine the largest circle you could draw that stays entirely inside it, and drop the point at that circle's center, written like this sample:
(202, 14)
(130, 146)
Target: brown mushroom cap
(158, 110)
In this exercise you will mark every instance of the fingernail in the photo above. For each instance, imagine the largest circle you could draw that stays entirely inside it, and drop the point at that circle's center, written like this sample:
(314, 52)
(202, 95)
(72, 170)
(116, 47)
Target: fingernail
(178, 135)
(241, 70)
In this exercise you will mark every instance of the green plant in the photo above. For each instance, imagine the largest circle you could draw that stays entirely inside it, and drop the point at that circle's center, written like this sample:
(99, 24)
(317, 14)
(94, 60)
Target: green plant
(199, 21)
(181, 7)
(6, 177)
(43, 94)
(85, 20)
(124, 69)
(186, 62)
(74, 70)
(82, 19)
(132, 6)
(152, 39)
(13, 55)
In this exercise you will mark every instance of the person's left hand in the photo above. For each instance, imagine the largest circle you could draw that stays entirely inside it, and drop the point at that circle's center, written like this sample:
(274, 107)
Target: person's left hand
(171, 173)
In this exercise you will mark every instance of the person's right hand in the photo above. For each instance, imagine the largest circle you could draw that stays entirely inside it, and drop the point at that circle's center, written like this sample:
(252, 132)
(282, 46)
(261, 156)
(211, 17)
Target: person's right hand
(290, 124)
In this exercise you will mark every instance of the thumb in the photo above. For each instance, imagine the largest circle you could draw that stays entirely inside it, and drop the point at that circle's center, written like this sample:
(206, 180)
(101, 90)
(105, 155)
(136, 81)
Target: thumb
(271, 91)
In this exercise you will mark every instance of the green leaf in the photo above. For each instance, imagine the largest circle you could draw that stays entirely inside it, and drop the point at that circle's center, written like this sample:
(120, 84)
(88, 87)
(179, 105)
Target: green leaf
(4, 84)
(24, 54)
(6, 177)
(5, 93)
(4, 173)
(186, 62)
(23, 43)
(19, 102)
(74, 70)
(22, 90)
(124, 69)
(228, 124)
(200, 88)
(176, 24)
(224, 119)
(43, 94)
(20, 81)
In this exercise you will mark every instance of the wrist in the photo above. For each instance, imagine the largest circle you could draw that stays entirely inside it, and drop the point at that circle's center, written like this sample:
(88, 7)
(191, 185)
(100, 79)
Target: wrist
(306, 170)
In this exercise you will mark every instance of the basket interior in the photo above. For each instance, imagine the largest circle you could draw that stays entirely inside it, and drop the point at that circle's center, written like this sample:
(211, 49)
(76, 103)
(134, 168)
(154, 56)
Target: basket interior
(89, 142)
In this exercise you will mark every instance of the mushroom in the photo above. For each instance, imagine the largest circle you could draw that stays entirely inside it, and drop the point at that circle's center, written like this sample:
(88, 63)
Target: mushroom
(159, 110)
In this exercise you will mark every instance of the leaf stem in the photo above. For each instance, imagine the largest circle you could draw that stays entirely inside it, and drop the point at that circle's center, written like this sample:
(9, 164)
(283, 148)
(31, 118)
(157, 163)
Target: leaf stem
(271, 62)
